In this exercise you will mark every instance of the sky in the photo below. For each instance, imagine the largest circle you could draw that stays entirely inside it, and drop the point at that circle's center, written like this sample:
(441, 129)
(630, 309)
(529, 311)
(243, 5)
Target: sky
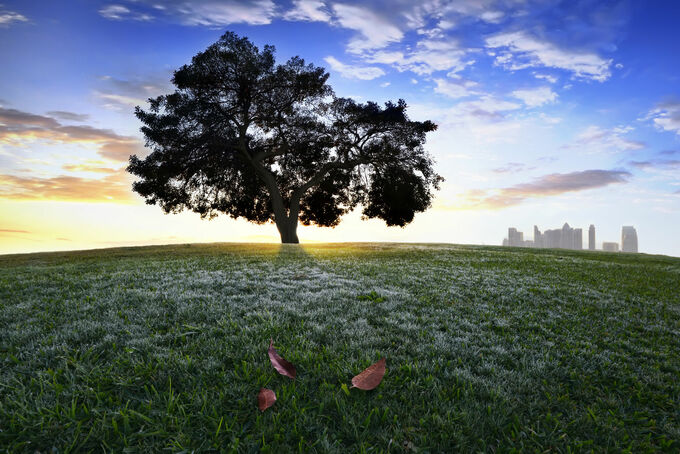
(548, 112)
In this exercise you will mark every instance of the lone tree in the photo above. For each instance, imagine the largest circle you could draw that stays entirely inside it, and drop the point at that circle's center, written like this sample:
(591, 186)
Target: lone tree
(244, 136)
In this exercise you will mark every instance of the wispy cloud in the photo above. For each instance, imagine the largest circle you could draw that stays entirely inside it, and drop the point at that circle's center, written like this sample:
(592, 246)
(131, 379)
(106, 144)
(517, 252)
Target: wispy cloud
(595, 139)
(427, 57)
(308, 10)
(17, 128)
(354, 72)
(486, 107)
(208, 13)
(375, 29)
(519, 50)
(9, 17)
(656, 164)
(547, 185)
(666, 116)
(547, 77)
(125, 94)
(121, 12)
(512, 167)
(70, 116)
(88, 168)
(13, 231)
(113, 188)
(455, 88)
(536, 97)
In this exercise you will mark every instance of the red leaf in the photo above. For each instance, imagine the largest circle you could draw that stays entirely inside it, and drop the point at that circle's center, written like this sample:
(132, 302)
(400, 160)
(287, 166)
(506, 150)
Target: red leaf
(280, 364)
(265, 399)
(370, 377)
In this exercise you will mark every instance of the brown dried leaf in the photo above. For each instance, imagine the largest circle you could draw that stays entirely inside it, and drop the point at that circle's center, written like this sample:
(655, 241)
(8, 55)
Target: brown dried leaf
(370, 377)
(280, 364)
(265, 399)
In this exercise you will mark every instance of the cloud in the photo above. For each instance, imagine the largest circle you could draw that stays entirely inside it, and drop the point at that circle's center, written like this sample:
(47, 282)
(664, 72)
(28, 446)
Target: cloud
(119, 102)
(547, 77)
(455, 88)
(666, 116)
(121, 150)
(427, 57)
(211, 13)
(536, 97)
(545, 186)
(354, 72)
(124, 94)
(656, 164)
(512, 167)
(87, 168)
(375, 30)
(9, 17)
(120, 12)
(13, 117)
(308, 10)
(13, 231)
(520, 50)
(64, 115)
(596, 140)
(17, 128)
(640, 164)
(486, 107)
(113, 188)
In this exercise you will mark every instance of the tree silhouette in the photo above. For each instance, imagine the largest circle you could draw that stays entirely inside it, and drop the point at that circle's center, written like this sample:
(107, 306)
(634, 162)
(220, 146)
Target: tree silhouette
(244, 136)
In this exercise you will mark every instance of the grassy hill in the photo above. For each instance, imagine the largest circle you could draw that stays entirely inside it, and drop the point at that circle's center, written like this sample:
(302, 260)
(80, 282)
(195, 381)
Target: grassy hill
(488, 349)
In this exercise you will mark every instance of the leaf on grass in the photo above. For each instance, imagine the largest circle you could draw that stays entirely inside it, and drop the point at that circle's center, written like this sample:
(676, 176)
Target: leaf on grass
(370, 377)
(280, 364)
(265, 399)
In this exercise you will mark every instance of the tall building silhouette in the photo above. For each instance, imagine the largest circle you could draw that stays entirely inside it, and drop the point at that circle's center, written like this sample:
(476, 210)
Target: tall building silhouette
(567, 237)
(591, 237)
(538, 238)
(515, 238)
(578, 239)
(629, 241)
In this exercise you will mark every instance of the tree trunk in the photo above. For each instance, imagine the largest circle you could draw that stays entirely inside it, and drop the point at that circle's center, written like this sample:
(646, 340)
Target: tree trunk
(288, 230)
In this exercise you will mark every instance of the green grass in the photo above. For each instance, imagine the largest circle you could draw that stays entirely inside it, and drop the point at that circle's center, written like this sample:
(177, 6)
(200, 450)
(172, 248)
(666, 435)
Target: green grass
(488, 349)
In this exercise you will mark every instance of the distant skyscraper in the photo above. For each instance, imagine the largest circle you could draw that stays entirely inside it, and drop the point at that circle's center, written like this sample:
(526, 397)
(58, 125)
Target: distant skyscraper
(515, 238)
(552, 238)
(538, 238)
(567, 239)
(578, 238)
(629, 241)
(610, 246)
(591, 237)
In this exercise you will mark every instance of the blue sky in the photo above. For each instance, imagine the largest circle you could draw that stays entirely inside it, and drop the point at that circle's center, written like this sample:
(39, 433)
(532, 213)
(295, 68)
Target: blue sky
(548, 112)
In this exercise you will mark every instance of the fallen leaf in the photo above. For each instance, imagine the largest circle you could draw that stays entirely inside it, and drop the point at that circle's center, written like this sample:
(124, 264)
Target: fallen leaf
(265, 399)
(280, 364)
(370, 377)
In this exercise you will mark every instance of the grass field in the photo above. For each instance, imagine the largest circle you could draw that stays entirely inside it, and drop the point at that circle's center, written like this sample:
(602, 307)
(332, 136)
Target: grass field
(488, 349)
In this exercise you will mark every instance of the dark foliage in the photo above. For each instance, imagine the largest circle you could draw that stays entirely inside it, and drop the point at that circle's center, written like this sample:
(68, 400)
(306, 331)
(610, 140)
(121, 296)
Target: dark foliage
(246, 137)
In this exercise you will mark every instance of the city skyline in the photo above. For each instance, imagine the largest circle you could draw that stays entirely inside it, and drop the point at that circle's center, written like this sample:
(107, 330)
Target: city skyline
(568, 237)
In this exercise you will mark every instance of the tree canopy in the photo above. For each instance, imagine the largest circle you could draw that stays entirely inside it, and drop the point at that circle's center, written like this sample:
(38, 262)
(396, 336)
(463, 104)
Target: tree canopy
(250, 138)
